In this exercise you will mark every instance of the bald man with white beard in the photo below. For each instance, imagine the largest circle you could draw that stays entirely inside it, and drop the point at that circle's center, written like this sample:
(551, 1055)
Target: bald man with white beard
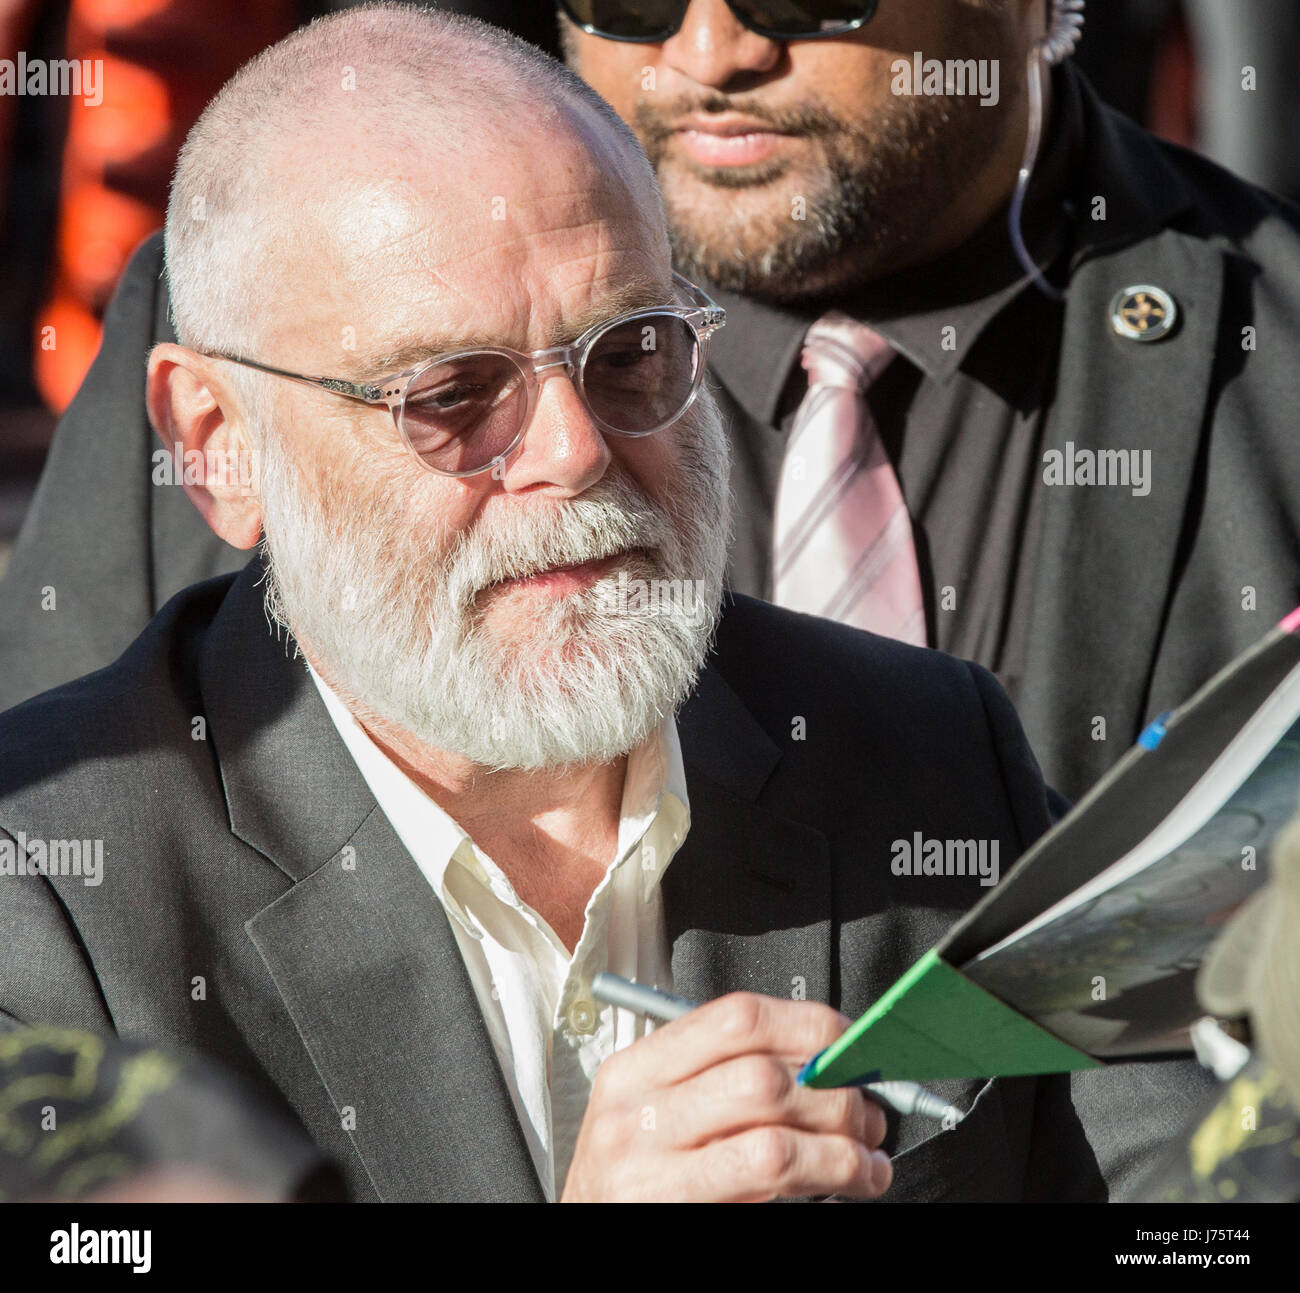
(377, 810)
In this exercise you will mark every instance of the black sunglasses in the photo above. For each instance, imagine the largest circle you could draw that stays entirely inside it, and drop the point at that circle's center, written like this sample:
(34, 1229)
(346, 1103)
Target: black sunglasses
(657, 20)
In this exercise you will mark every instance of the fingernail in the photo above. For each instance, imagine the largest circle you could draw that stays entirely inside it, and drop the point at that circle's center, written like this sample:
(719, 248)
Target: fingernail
(882, 1171)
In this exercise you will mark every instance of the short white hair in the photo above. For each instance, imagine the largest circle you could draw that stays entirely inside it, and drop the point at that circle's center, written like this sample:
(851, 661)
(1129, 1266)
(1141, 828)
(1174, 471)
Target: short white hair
(416, 71)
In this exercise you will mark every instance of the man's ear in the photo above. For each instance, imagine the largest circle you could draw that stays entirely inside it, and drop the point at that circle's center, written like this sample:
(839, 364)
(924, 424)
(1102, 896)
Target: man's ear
(207, 450)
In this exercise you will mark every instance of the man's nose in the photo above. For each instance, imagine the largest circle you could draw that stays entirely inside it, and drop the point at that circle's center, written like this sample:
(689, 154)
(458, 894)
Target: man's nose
(563, 450)
(714, 46)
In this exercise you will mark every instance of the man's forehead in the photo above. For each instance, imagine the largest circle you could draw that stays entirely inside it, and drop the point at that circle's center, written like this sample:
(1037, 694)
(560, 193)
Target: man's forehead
(437, 197)
(407, 261)
(528, 288)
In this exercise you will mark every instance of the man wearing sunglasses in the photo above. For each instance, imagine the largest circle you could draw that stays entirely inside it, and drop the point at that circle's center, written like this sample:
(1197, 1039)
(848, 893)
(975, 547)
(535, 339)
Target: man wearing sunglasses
(1103, 491)
(374, 812)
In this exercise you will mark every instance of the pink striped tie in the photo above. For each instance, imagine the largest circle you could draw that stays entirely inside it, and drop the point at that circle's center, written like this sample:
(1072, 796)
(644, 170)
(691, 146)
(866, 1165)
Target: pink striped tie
(843, 539)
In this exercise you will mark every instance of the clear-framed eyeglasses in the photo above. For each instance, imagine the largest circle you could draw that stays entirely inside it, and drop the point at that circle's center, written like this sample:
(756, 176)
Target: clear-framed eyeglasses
(466, 412)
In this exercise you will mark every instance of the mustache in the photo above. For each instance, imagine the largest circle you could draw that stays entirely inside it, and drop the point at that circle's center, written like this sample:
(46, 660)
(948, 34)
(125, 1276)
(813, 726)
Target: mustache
(612, 518)
(656, 121)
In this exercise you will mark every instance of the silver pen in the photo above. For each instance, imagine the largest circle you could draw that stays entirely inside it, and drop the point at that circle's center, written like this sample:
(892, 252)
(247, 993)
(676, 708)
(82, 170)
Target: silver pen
(902, 1097)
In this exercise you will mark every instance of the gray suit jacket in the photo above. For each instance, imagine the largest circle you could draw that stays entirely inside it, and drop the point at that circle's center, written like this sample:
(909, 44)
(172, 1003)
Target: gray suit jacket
(256, 905)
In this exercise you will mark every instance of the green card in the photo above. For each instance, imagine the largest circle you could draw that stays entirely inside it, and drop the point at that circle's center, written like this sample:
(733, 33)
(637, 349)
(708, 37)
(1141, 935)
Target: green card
(935, 1023)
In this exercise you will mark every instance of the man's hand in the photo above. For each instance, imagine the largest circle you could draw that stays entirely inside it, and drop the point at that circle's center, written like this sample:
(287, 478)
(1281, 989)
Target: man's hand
(707, 1109)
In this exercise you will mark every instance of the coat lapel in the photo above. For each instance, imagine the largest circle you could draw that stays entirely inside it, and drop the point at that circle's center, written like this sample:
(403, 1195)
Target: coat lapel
(1113, 556)
(359, 947)
(747, 899)
(369, 969)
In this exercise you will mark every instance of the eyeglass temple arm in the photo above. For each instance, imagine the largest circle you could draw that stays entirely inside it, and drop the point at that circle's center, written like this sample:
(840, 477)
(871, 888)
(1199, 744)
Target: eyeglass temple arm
(365, 392)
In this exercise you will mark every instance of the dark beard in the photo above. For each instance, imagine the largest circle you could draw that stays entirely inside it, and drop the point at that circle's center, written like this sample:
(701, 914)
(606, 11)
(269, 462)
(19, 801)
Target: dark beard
(883, 185)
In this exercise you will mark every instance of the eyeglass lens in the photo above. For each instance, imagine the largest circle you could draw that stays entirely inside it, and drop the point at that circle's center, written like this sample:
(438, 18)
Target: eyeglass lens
(646, 19)
(635, 377)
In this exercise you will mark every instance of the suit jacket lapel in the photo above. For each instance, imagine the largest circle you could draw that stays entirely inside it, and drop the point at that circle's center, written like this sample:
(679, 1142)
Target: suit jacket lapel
(747, 899)
(1124, 548)
(1112, 556)
(359, 948)
(368, 967)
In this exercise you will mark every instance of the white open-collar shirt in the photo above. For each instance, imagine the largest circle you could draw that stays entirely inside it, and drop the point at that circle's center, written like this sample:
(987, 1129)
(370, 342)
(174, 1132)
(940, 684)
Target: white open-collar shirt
(549, 1034)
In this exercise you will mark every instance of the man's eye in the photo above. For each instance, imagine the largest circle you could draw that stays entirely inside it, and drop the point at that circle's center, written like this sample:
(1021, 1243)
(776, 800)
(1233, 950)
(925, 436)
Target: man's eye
(628, 357)
(445, 398)
(624, 364)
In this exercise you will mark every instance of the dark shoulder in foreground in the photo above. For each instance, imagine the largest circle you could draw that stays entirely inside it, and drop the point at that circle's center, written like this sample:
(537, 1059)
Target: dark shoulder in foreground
(120, 709)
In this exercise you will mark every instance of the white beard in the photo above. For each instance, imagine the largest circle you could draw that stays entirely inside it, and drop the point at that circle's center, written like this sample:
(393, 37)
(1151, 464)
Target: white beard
(401, 634)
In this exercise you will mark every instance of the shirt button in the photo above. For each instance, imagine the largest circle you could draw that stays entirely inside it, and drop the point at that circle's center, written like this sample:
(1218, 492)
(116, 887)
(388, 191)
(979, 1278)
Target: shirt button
(582, 1017)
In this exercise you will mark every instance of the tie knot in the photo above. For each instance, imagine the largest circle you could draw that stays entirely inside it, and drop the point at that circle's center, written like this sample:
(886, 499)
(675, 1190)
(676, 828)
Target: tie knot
(841, 352)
